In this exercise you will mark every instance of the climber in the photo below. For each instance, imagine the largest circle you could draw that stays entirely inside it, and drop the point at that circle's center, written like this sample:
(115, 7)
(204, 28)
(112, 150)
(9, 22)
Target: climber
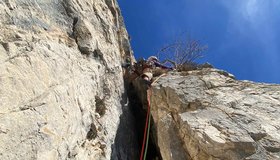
(145, 69)
(153, 67)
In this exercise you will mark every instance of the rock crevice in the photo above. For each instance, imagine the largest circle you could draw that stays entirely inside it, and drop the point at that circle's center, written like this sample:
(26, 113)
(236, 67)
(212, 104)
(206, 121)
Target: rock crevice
(63, 96)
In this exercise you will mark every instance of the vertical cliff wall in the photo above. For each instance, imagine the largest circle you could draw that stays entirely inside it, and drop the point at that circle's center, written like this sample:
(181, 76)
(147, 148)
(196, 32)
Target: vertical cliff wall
(61, 81)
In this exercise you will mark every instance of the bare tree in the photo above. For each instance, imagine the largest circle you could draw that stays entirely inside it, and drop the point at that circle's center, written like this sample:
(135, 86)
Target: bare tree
(183, 52)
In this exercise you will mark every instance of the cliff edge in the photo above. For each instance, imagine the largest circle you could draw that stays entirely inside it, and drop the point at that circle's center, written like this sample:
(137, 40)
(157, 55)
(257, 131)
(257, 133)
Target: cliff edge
(207, 114)
(63, 94)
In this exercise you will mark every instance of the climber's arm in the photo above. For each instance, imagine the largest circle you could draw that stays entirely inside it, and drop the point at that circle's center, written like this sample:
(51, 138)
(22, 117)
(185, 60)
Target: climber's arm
(157, 64)
(170, 61)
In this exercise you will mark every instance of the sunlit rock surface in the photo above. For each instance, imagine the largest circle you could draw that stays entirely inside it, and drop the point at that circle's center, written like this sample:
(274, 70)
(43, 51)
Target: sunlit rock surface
(62, 93)
(207, 114)
(61, 81)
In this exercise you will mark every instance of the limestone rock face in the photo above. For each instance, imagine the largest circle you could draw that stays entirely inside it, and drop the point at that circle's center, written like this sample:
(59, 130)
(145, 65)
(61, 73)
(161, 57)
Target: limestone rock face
(61, 81)
(207, 114)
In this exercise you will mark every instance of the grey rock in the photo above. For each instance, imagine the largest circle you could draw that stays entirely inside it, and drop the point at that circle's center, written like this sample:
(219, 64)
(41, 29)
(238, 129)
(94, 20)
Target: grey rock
(50, 78)
(207, 114)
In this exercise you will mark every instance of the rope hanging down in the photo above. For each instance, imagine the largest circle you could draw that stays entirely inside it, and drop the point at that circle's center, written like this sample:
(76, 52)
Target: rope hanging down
(148, 123)
(147, 128)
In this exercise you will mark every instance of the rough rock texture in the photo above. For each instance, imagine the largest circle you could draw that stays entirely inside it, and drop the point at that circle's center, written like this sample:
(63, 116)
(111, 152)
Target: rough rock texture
(62, 93)
(207, 114)
(61, 82)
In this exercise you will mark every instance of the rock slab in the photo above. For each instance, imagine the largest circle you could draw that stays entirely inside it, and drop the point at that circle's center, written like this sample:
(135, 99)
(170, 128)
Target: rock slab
(207, 114)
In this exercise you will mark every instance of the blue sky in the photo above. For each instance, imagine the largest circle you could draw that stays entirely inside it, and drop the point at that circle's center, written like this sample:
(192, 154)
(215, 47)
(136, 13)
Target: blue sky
(243, 36)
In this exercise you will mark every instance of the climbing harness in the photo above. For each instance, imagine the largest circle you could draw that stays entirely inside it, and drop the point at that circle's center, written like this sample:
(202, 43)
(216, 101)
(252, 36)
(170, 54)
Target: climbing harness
(148, 122)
